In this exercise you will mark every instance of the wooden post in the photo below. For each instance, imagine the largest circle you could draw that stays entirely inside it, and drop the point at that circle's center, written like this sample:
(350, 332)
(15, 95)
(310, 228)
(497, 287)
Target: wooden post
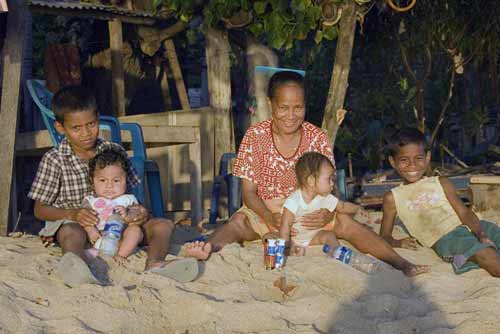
(195, 177)
(176, 71)
(162, 78)
(117, 73)
(219, 88)
(340, 73)
(12, 61)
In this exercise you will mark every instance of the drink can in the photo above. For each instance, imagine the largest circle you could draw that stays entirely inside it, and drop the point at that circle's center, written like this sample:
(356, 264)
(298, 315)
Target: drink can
(265, 253)
(280, 253)
(271, 254)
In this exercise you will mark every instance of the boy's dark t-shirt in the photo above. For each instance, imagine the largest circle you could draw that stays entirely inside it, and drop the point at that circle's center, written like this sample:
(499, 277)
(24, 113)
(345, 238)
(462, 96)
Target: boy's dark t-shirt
(62, 179)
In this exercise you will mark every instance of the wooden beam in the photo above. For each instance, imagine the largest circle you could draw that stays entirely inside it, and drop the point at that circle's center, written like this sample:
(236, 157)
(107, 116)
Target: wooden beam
(162, 118)
(117, 72)
(219, 88)
(485, 179)
(11, 84)
(195, 177)
(30, 143)
(162, 78)
(340, 74)
(176, 71)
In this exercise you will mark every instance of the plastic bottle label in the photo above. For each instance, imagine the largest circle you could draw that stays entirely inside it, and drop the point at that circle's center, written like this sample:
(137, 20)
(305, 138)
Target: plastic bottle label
(343, 254)
(115, 227)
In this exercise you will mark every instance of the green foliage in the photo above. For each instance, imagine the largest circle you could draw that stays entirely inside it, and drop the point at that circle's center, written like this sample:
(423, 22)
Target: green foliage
(278, 23)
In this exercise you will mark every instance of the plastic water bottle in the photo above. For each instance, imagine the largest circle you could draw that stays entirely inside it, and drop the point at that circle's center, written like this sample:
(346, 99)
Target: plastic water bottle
(350, 257)
(111, 235)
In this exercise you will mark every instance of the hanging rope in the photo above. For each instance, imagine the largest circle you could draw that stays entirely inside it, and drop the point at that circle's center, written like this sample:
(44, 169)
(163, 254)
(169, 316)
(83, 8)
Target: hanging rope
(401, 9)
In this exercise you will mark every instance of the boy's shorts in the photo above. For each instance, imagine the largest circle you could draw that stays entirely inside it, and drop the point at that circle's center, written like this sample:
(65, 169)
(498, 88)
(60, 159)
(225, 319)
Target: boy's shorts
(51, 227)
(461, 241)
(261, 228)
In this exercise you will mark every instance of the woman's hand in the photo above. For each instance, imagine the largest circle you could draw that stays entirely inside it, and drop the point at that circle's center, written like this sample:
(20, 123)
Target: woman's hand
(275, 222)
(316, 220)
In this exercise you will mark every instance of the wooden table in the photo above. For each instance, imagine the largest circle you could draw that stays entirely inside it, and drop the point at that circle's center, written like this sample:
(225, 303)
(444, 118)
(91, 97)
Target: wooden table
(38, 142)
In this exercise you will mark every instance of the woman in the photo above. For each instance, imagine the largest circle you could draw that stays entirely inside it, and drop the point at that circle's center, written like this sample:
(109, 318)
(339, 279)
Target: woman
(265, 163)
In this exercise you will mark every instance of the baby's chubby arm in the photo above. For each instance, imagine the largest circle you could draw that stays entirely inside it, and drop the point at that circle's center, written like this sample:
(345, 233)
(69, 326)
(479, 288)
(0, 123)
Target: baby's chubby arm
(287, 220)
(388, 218)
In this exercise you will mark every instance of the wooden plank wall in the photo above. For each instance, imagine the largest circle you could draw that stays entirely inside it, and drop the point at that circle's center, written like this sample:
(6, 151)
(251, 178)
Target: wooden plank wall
(174, 167)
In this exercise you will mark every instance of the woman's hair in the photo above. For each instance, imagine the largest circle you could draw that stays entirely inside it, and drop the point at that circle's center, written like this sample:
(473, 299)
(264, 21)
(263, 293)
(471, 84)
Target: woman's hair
(309, 164)
(283, 78)
(109, 154)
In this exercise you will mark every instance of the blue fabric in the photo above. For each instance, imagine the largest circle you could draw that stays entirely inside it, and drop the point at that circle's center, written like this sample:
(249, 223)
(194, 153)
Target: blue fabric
(461, 244)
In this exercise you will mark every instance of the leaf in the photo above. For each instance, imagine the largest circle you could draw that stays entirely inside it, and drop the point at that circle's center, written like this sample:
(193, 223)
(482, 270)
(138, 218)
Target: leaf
(318, 37)
(330, 33)
(298, 5)
(256, 28)
(411, 94)
(157, 4)
(260, 7)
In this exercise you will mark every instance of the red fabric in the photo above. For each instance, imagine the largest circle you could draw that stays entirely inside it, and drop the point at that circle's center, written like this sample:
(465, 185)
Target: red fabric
(61, 66)
(260, 162)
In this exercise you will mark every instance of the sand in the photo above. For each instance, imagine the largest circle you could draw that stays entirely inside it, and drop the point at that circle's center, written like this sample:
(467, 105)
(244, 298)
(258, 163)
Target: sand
(235, 294)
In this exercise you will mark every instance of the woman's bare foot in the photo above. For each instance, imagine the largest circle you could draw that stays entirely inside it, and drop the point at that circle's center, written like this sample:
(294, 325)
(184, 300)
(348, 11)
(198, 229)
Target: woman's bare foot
(413, 270)
(199, 250)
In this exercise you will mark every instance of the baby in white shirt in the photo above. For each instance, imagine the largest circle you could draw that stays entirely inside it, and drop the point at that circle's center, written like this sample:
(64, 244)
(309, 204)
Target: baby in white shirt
(315, 180)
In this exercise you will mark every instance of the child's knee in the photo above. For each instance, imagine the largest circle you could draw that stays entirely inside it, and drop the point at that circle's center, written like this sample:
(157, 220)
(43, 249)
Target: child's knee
(133, 230)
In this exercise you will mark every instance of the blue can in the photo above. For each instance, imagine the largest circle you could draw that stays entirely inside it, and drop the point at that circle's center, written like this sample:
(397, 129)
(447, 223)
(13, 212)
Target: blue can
(271, 253)
(280, 254)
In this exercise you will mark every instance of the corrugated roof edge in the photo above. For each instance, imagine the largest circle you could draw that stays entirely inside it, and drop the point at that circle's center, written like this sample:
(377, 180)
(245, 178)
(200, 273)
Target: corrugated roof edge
(92, 7)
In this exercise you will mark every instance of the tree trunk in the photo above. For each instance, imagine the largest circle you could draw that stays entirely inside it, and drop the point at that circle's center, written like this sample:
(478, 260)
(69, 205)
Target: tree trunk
(219, 88)
(259, 55)
(340, 73)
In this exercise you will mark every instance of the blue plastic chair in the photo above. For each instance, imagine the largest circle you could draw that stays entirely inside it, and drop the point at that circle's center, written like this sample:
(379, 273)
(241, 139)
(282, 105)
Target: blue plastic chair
(233, 184)
(147, 169)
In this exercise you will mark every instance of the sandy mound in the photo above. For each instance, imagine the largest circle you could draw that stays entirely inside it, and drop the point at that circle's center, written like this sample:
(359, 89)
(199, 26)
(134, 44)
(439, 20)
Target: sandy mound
(236, 294)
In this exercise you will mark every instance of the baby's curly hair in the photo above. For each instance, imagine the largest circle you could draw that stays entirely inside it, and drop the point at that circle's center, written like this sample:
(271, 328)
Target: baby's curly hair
(107, 155)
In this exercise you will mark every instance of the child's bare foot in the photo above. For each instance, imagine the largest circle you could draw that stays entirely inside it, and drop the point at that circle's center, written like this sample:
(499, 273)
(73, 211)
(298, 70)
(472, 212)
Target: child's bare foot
(413, 270)
(120, 260)
(199, 250)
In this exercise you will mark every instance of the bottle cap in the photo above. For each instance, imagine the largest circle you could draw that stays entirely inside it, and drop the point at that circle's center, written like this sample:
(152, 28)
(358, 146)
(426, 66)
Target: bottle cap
(326, 248)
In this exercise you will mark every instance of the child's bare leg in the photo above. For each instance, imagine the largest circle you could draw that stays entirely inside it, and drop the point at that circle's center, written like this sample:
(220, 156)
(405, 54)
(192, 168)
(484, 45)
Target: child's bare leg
(92, 233)
(489, 260)
(325, 237)
(72, 238)
(132, 236)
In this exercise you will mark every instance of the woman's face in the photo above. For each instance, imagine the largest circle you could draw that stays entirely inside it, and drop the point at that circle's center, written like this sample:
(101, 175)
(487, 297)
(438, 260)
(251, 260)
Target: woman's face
(287, 108)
